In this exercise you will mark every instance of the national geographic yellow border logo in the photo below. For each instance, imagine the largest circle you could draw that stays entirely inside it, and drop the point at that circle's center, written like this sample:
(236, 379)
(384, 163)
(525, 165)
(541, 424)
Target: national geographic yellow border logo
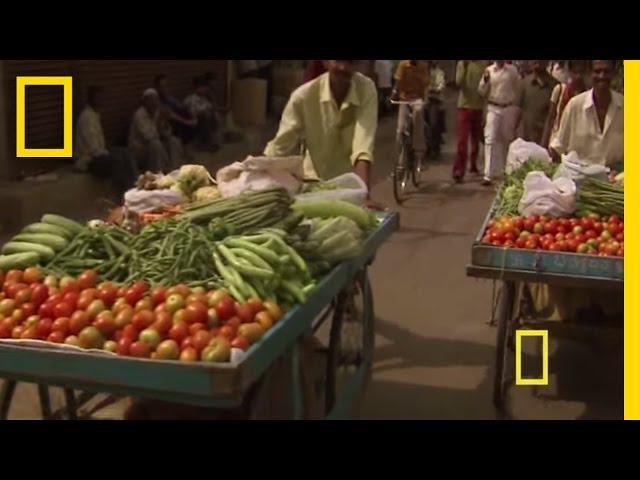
(21, 149)
(545, 357)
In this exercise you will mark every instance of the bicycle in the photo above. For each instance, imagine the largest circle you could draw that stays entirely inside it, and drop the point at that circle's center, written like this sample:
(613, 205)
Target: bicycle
(406, 167)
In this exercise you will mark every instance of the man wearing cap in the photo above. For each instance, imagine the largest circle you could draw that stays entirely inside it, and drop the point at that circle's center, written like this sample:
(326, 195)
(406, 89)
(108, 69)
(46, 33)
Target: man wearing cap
(150, 138)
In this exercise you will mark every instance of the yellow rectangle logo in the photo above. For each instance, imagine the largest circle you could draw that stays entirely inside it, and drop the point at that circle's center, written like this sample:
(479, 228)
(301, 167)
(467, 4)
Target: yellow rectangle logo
(67, 149)
(545, 357)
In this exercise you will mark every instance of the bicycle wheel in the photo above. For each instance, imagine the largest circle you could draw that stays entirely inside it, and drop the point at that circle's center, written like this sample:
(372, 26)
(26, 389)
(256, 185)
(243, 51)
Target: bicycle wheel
(401, 173)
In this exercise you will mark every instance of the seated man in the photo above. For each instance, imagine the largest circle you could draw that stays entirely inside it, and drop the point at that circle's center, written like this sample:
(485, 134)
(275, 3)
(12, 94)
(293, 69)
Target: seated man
(150, 139)
(336, 115)
(201, 108)
(180, 118)
(412, 80)
(91, 152)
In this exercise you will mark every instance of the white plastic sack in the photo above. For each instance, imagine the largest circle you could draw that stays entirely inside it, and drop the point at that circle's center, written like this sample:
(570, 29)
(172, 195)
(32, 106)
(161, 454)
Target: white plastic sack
(576, 169)
(351, 189)
(521, 152)
(260, 173)
(542, 196)
(144, 201)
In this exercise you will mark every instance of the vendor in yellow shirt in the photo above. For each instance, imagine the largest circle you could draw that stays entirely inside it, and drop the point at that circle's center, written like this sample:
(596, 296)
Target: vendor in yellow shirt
(336, 117)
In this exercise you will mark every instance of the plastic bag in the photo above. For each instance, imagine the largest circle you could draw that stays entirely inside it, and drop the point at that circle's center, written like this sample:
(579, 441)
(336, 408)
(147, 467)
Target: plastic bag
(144, 201)
(542, 196)
(574, 168)
(521, 152)
(348, 187)
(260, 173)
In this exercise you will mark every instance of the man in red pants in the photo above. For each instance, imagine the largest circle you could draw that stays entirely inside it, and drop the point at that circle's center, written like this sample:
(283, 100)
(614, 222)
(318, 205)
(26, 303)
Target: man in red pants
(470, 107)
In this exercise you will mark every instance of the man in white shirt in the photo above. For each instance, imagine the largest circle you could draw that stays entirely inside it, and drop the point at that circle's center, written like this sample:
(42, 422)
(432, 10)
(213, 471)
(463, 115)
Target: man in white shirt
(435, 112)
(592, 123)
(501, 85)
(91, 152)
(150, 138)
(384, 81)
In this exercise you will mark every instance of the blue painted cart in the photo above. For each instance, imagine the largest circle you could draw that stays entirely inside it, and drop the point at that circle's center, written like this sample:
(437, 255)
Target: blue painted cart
(226, 385)
(515, 268)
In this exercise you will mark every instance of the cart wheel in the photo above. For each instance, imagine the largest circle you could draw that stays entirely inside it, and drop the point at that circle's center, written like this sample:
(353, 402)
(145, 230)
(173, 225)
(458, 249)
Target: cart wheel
(505, 323)
(401, 172)
(351, 339)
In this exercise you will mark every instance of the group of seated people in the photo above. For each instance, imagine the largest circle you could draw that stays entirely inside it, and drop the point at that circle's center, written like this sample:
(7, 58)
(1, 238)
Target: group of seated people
(158, 131)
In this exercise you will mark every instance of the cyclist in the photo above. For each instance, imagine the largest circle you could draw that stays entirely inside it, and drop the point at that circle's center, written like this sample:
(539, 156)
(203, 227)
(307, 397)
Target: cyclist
(435, 112)
(412, 81)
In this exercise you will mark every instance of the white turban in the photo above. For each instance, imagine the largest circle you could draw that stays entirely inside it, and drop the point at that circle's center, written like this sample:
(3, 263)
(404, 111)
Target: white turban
(150, 92)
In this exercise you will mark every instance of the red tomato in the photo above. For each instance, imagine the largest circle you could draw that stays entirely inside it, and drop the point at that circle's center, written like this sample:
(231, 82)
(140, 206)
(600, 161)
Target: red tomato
(188, 354)
(122, 291)
(140, 287)
(598, 227)
(519, 223)
(105, 323)
(140, 350)
(28, 309)
(162, 307)
(196, 327)
(44, 328)
(551, 227)
(5, 332)
(61, 325)
(620, 252)
(163, 323)
(29, 334)
(71, 298)
(133, 296)
(563, 229)
(56, 337)
(228, 332)
(611, 250)
(70, 286)
(143, 319)
(486, 239)
(559, 237)
(528, 224)
(614, 218)
(130, 332)
(108, 294)
(561, 245)
(17, 331)
(256, 305)
(509, 243)
(620, 237)
(78, 321)
(201, 339)
(615, 228)
(509, 237)
(195, 313)
(496, 243)
(124, 344)
(246, 313)
(590, 234)
(39, 294)
(521, 242)
(197, 298)
(62, 309)
(13, 276)
(587, 223)
(179, 332)
(186, 343)
(225, 308)
(158, 295)
(22, 296)
(240, 342)
(497, 236)
(46, 310)
(572, 245)
(88, 279)
(234, 322)
(11, 289)
(32, 275)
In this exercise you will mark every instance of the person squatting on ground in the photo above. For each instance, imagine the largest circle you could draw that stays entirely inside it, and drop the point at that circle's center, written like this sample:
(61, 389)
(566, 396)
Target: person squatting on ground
(91, 152)
(150, 139)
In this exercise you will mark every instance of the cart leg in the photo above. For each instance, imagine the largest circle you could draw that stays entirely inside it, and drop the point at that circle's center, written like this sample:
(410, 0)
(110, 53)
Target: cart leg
(6, 395)
(45, 401)
(505, 318)
(72, 407)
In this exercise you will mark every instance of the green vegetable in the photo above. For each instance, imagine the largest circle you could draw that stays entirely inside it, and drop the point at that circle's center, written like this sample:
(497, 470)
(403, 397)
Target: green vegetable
(63, 222)
(334, 208)
(19, 260)
(44, 253)
(55, 242)
(600, 197)
(48, 228)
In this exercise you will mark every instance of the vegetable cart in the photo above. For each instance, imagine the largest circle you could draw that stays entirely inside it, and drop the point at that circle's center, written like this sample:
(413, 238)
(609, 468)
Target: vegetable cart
(344, 295)
(514, 268)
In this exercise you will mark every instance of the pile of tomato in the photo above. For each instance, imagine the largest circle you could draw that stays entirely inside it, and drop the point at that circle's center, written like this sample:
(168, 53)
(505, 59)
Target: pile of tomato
(176, 323)
(593, 234)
